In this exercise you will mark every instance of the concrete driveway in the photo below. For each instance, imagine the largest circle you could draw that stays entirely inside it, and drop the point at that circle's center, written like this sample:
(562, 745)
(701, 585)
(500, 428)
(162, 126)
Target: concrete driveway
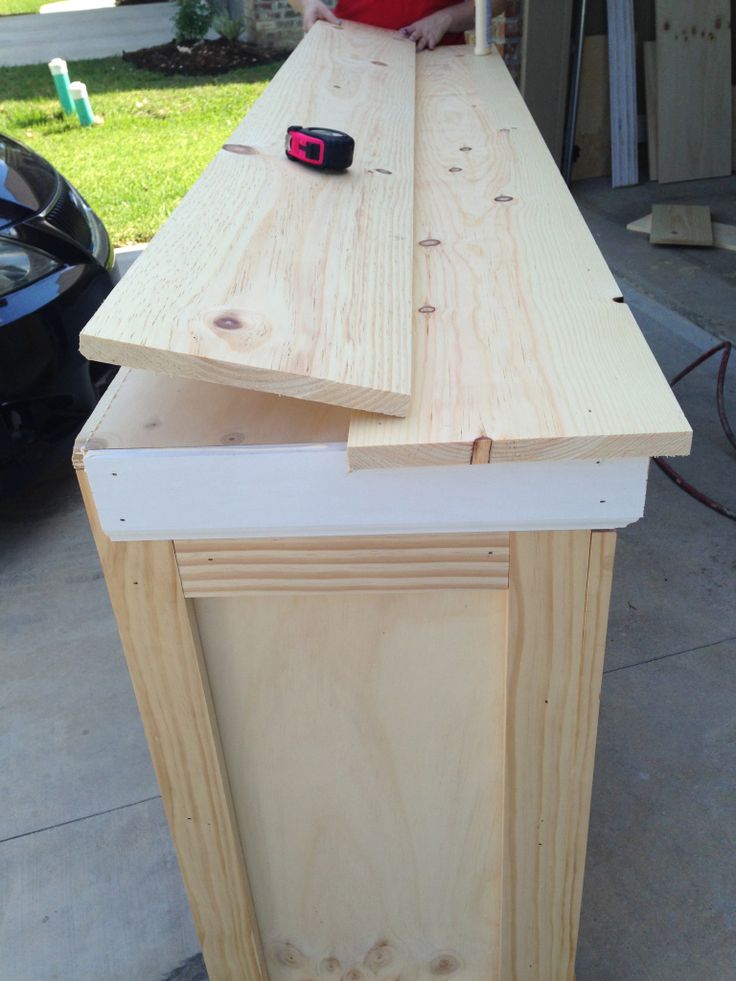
(32, 39)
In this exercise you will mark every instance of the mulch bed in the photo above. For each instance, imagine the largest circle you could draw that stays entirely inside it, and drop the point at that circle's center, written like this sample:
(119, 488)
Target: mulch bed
(201, 58)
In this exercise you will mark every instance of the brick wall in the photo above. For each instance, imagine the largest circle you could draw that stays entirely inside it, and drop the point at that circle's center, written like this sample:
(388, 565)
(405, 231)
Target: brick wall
(272, 24)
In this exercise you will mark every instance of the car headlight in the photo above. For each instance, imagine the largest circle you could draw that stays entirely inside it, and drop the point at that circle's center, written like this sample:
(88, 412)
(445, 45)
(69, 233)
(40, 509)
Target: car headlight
(21, 265)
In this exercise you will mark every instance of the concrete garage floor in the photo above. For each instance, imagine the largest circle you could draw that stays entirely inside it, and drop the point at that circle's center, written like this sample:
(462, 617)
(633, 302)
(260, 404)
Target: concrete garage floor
(90, 885)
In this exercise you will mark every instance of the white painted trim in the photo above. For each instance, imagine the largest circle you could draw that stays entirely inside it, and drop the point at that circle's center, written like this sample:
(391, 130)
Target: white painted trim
(303, 491)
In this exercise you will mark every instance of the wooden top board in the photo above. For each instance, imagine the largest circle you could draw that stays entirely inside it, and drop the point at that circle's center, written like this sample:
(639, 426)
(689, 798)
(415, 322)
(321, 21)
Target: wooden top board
(523, 349)
(274, 277)
(681, 224)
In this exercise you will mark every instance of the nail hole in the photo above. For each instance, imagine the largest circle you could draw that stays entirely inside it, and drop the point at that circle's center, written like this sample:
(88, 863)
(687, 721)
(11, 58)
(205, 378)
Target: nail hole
(428, 242)
(455, 170)
(382, 64)
(121, 519)
(337, 86)
(114, 475)
(427, 309)
(380, 170)
(465, 149)
(503, 198)
(618, 299)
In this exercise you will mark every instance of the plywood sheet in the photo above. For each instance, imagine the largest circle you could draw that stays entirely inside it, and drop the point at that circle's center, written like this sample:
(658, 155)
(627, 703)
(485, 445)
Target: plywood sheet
(364, 743)
(694, 115)
(681, 224)
(274, 277)
(521, 348)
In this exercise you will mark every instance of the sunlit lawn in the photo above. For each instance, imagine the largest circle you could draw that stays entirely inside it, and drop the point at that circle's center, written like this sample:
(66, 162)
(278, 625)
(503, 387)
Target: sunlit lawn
(158, 134)
(20, 6)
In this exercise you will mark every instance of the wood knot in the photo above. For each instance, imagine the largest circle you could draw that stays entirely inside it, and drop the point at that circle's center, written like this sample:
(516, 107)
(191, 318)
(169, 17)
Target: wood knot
(232, 439)
(429, 242)
(455, 170)
(241, 148)
(227, 323)
(444, 964)
(379, 957)
(380, 170)
(247, 328)
(427, 308)
(330, 965)
(288, 955)
(354, 974)
(465, 149)
(381, 64)
(503, 198)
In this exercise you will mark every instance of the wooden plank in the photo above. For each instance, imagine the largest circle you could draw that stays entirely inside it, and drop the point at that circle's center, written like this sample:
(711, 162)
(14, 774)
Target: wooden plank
(363, 736)
(358, 564)
(518, 338)
(622, 73)
(545, 67)
(681, 224)
(558, 605)
(724, 236)
(593, 130)
(273, 277)
(694, 114)
(162, 649)
(650, 86)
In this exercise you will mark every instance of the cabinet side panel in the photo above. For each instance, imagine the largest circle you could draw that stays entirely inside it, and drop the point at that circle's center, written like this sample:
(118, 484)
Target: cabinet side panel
(363, 736)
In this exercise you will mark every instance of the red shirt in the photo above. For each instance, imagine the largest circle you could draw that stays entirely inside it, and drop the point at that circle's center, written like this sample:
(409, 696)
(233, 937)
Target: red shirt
(394, 14)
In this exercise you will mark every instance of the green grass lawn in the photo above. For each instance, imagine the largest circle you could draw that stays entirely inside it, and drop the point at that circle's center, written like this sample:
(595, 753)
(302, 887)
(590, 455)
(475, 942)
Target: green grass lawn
(158, 135)
(21, 6)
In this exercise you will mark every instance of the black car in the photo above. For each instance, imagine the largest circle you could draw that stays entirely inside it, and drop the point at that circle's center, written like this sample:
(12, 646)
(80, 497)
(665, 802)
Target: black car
(56, 267)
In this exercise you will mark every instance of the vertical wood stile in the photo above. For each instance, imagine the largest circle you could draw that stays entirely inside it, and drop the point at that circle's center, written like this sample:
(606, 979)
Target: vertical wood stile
(558, 606)
(161, 645)
(622, 69)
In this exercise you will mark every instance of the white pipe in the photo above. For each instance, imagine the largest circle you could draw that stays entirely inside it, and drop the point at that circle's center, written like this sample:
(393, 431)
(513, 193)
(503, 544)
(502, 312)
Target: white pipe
(482, 47)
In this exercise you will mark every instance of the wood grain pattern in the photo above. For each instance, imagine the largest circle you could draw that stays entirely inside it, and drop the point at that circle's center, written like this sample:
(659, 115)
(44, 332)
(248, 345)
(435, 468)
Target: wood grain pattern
(694, 114)
(517, 336)
(724, 236)
(558, 607)
(593, 130)
(650, 89)
(161, 646)
(364, 742)
(622, 73)
(274, 277)
(681, 224)
(358, 564)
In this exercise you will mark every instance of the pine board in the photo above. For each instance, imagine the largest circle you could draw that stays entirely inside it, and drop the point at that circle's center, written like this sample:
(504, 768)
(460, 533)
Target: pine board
(724, 236)
(650, 88)
(681, 224)
(273, 277)
(364, 742)
(694, 114)
(519, 347)
(622, 74)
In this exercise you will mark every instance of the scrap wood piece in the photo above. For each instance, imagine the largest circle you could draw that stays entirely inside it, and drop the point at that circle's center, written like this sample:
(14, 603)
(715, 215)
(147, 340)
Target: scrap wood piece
(681, 224)
(622, 74)
(650, 87)
(274, 277)
(724, 236)
(694, 115)
(518, 338)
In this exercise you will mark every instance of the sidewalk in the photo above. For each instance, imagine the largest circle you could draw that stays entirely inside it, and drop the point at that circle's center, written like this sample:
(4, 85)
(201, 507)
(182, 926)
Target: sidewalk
(32, 39)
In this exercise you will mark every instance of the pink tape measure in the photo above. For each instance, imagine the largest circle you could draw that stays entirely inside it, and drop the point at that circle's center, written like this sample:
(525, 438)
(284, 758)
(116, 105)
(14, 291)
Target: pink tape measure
(323, 149)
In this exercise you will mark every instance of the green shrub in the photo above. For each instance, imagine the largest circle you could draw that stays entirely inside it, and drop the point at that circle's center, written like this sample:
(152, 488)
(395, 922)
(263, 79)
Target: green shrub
(229, 28)
(192, 20)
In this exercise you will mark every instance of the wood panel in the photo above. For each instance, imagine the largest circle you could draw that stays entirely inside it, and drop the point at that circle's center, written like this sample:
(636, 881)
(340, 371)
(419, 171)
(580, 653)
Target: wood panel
(650, 87)
(593, 130)
(724, 236)
(622, 72)
(274, 277)
(545, 67)
(681, 224)
(359, 564)
(518, 338)
(694, 114)
(364, 742)
(162, 649)
(558, 609)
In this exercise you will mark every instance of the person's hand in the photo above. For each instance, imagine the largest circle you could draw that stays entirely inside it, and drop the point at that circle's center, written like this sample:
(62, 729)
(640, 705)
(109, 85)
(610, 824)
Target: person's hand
(314, 10)
(429, 31)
